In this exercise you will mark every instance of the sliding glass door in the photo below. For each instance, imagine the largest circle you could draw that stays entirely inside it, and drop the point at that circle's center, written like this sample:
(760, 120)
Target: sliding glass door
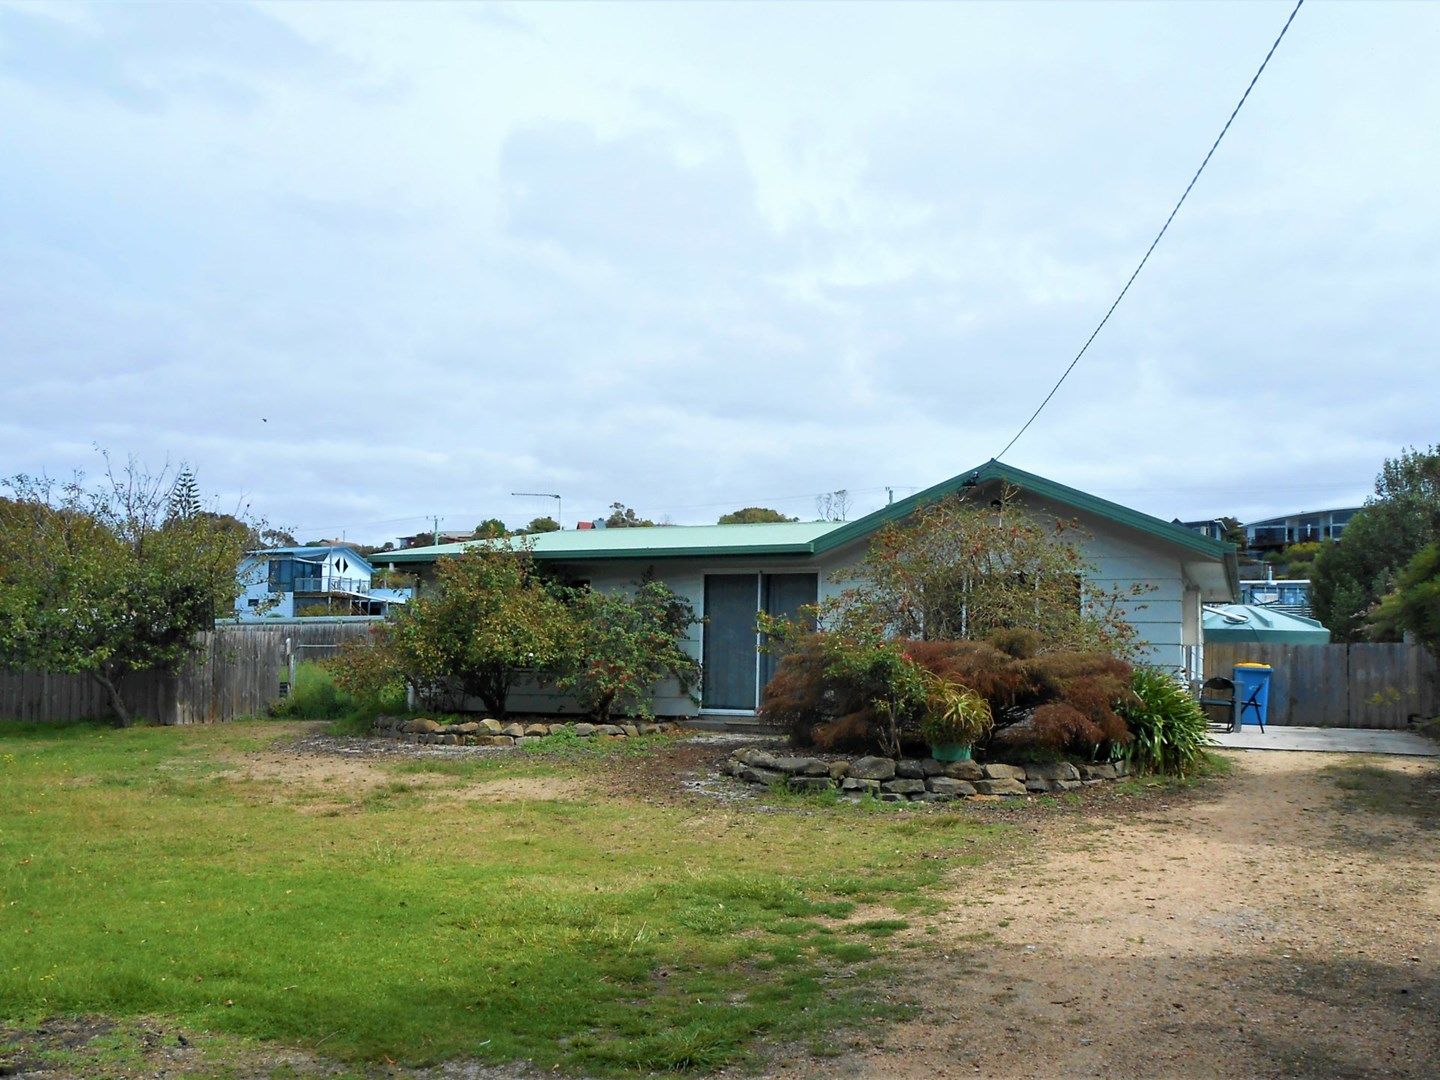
(735, 669)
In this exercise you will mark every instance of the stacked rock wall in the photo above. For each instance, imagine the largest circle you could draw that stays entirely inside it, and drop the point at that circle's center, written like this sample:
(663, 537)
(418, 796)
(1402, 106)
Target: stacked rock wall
(500, 733)
(913, 779)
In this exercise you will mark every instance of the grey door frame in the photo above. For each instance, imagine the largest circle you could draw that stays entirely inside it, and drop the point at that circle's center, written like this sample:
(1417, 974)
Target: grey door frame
(759, 576)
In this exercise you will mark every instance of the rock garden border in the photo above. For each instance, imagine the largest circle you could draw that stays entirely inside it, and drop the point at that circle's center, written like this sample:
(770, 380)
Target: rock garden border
(491, 732)
(915, 779)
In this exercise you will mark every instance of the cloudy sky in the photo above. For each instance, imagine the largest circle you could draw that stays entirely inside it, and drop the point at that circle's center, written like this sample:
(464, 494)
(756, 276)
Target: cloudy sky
(361, 265)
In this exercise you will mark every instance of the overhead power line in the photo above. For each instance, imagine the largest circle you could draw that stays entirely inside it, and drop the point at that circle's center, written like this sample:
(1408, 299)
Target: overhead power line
(1154, 243)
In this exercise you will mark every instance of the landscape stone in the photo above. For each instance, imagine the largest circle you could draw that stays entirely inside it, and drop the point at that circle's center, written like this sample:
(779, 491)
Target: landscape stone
(450, 740)
(802, 766)
(854, 783)
(811, 783)
(944, 785)
(609, 729)
(649, 729)
(930, 767)
(537, 729)
(422, 725)
(903, 787)
(838, 770)
(891, 796)
(873, 768)
(496, 740)
(931, 796)
(1039, 787)
(512, 730)
(1064, 785)
(469, 727)
(584, 730)
(909, 769)
(491, 727)
(630, 730)
(1000, 786)
(1055, 770)
(750, 774)
(963, 770)
(1004, 772)
(469, 740)
(1098, 772)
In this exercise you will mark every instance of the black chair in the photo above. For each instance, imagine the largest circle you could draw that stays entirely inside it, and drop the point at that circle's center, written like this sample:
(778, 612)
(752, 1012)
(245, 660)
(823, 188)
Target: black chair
(1218, 692)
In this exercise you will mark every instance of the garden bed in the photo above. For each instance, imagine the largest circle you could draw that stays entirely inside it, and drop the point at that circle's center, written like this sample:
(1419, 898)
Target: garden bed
(915, 779)
(490, 732)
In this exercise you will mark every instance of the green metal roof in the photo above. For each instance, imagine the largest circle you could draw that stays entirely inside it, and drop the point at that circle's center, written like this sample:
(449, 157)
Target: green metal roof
(818, 537)
(659, 541)
(1257, 623)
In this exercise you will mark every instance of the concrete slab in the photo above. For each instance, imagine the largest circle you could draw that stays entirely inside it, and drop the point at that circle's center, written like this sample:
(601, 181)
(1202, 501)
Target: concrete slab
(1331, 740)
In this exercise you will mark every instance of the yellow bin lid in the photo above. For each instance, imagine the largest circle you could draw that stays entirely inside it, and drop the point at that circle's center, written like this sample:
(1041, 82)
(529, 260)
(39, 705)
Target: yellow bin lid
(1253, 664)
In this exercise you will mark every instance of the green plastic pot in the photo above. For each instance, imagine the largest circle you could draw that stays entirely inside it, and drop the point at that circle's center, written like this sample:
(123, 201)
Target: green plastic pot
(951, 752)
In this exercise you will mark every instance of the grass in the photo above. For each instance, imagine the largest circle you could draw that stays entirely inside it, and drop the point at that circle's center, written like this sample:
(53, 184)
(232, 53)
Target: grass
(141, 877)
(1413, 795)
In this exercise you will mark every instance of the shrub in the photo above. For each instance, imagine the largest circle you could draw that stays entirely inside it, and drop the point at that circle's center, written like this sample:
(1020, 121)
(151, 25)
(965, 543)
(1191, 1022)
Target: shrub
(954, 715)
(626, 643)
(1169, 729)
(1061, 700)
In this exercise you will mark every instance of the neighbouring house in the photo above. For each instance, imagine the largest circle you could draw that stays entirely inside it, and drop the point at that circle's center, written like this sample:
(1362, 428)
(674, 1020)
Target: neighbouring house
(732, 572)
(285, 582)
(1291, 595)
(1255, 624)
(1280, 532)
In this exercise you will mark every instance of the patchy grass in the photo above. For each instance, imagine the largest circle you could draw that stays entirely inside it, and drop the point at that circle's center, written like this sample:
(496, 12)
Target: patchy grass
(1413, 795)
(140, 879)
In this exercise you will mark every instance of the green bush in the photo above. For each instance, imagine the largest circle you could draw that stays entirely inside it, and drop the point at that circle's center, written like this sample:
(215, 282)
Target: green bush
(1169, 730)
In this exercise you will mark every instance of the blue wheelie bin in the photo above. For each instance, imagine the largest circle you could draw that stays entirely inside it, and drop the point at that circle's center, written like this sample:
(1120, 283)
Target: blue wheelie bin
(1252, 694)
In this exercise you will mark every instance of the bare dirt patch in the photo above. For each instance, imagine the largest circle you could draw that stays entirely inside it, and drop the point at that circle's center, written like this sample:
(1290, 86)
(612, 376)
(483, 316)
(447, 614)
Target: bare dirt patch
(1255, 930)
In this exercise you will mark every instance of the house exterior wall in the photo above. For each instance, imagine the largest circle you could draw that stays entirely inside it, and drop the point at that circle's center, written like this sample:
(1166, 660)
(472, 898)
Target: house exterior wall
(254, 579)
(1166, 615)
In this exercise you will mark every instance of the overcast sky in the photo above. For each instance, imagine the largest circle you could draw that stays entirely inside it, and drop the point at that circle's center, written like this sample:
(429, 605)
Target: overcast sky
(361, 265)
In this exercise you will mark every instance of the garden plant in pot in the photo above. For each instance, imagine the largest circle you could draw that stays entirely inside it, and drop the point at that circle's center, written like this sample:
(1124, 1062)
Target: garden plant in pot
(955, 719)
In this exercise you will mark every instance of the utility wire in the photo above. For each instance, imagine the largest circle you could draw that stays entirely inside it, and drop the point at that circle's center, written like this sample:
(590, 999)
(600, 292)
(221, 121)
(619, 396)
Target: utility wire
(1154, 243)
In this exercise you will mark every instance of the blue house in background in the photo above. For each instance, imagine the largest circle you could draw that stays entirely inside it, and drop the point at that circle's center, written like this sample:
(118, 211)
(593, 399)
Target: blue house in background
(286, 582)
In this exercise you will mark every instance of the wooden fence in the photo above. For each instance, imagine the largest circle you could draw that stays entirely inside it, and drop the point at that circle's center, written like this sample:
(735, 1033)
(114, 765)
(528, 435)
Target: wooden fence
(1358, 686)
(236, 672)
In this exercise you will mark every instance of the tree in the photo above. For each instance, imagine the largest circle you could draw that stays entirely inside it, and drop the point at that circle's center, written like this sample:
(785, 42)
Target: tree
(833, 505)
(954, 570)
(622, 517)
(184, 496)
(626, 643)
(1413, 606)
(275, 538)
(1403, 515)
(109, 580)
(753, 515)
(491, 529)
(489, 618)
(542, 525)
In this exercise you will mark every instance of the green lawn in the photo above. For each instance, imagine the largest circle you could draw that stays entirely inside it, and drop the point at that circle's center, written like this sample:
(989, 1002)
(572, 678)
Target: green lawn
(142, 876)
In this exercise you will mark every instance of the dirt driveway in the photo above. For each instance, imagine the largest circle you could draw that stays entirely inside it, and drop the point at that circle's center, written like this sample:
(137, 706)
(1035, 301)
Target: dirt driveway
(1285, 922)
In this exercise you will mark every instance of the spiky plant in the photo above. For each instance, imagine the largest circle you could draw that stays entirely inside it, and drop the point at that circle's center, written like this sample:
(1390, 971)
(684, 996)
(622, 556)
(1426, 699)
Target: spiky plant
(1169, 730)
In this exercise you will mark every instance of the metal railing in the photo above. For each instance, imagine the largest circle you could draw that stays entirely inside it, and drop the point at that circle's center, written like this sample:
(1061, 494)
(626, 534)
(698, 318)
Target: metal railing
(328, 583)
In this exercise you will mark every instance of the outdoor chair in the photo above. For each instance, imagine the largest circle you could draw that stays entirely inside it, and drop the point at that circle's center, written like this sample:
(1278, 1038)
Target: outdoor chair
(1218, 692)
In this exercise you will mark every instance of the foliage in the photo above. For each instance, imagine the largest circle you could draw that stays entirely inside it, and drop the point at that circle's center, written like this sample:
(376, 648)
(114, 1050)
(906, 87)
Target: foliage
(753, 515)
(489, 618)
(184, 501)
(623, 517)
(314, 695)
(273, 538)
(373, 675)
(110, 579)
(954, 715)
(1402, 516)
(832, 690)
(624, 644)
(1413, 606)
(1169, 730)
(491, 529)
(1297, 560)
(955, 570)
(542, 525)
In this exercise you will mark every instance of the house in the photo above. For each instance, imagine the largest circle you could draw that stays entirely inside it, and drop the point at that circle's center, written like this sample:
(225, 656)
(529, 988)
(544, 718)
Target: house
(1279, 532)
(333, 579)
(732, 572)
(1291, 595)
